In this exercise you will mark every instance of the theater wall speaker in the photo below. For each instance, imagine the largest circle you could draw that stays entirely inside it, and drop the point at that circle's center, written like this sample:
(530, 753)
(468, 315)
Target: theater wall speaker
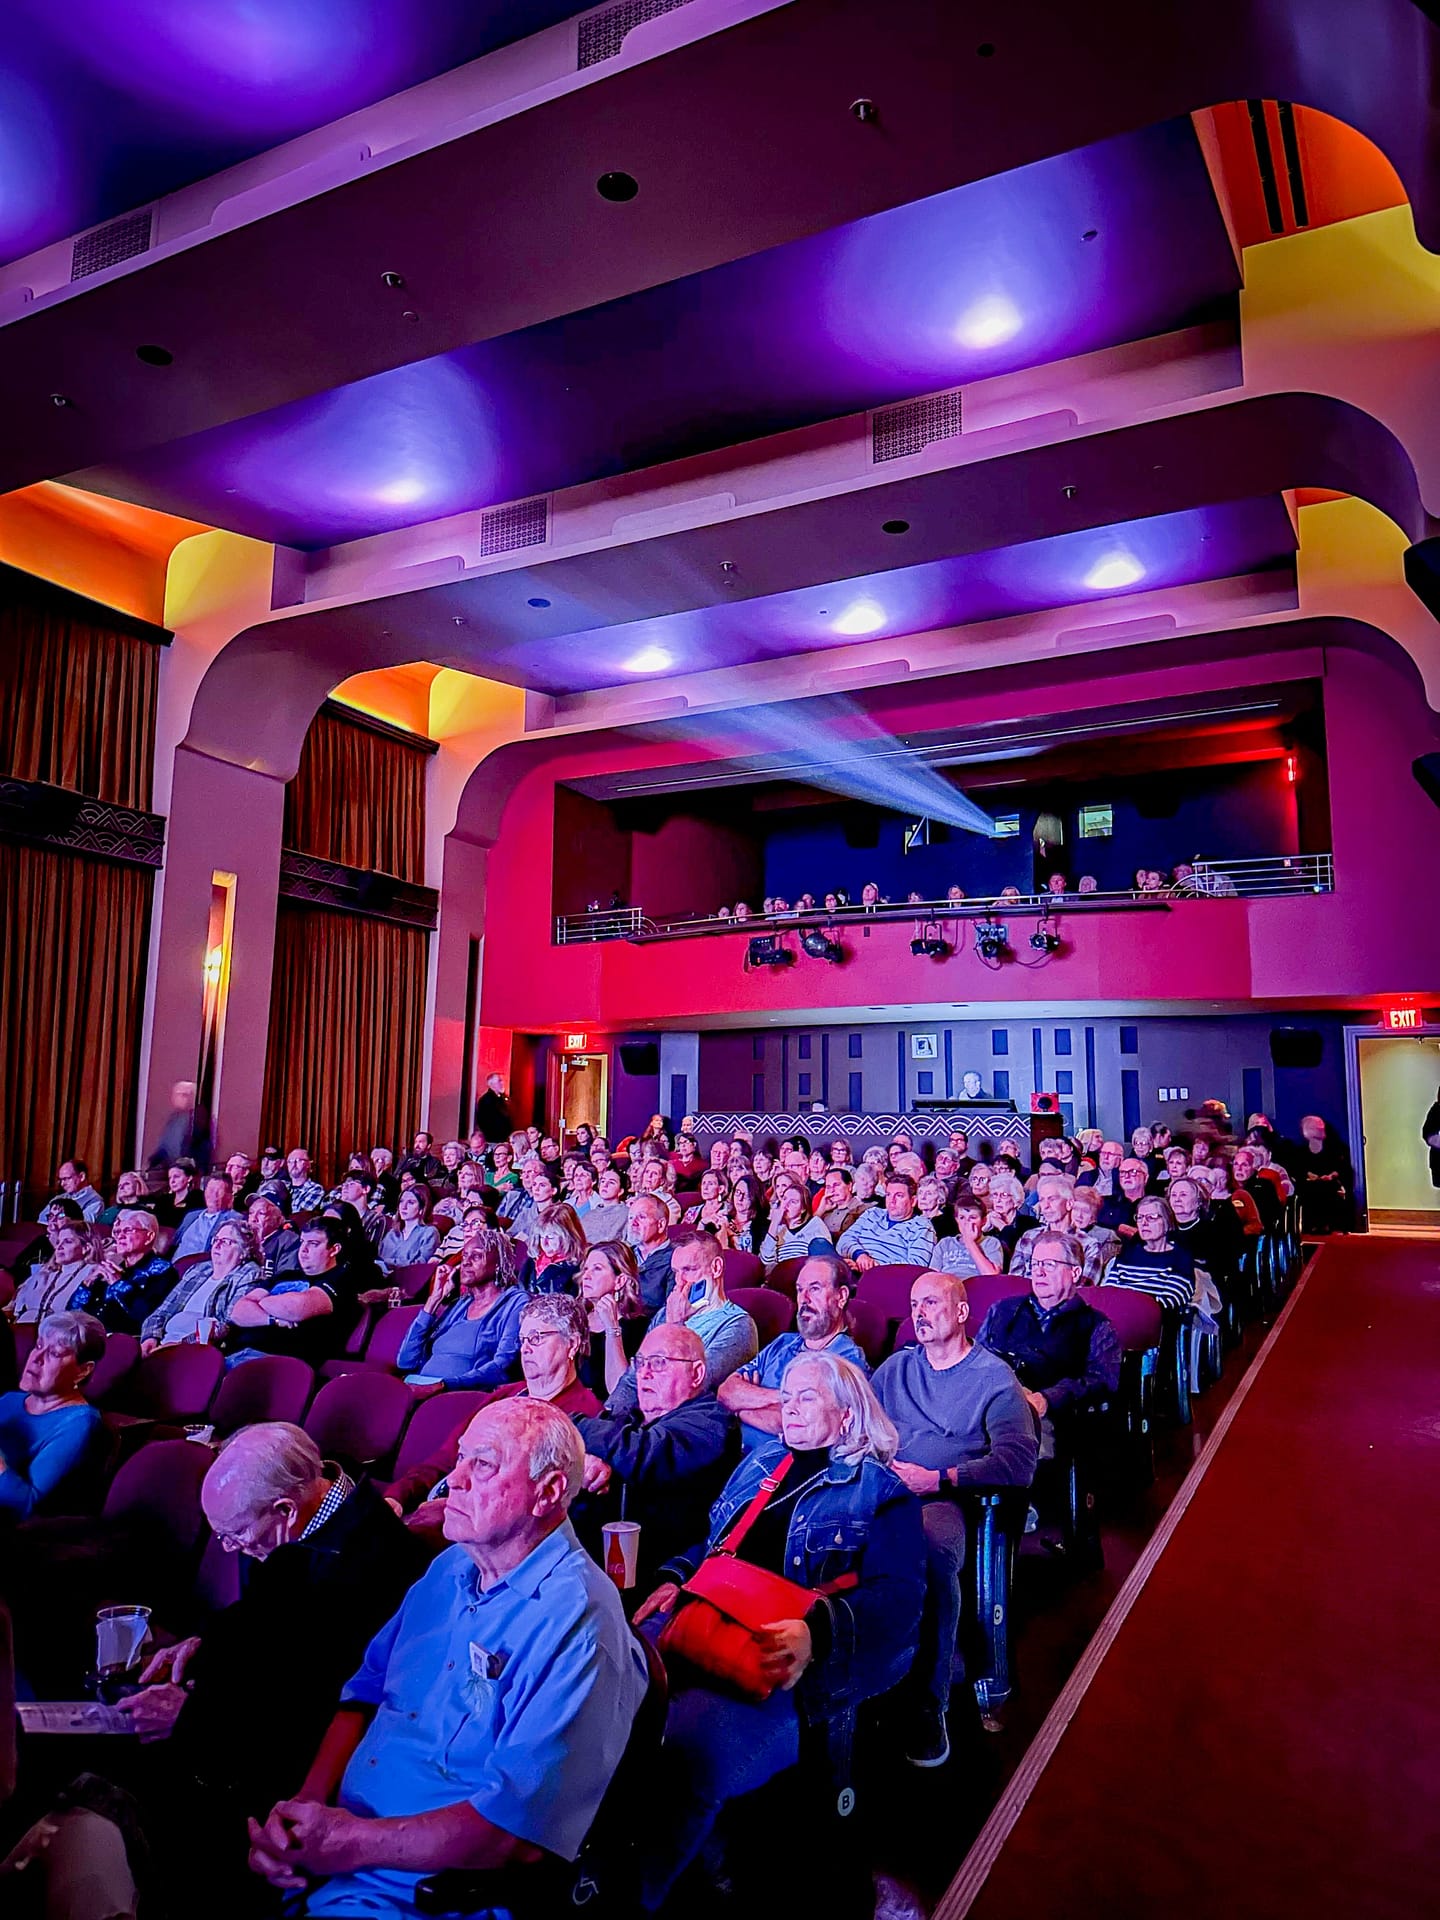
(1044, 1103)
(640, 1059)
(1296, 1047)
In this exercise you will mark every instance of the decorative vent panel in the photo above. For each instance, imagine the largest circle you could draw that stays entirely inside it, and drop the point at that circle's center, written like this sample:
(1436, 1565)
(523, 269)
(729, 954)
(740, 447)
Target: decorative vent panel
(107, 246)
(905, 429)
(525, 523)
(602, 34)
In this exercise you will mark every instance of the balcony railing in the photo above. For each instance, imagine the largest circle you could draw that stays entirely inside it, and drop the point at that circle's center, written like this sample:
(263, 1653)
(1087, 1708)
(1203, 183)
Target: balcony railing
(1292, 873)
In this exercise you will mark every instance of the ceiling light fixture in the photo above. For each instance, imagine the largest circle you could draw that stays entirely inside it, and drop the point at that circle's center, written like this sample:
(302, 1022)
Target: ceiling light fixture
(1120, 570)
(863, 617)
(649, 660)
(989, 323)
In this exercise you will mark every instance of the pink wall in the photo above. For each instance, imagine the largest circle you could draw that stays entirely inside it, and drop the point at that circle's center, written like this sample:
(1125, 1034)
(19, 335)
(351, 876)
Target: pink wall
(1365, 940)
(690, 866)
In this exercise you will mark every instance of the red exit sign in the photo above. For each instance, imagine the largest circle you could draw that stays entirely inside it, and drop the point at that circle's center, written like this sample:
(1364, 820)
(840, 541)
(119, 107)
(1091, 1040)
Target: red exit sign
(575, 1042)
(1401, 1019)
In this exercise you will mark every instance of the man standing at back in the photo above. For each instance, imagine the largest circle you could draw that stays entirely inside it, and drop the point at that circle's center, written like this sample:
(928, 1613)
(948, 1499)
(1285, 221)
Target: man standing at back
(490, 1714)
(492, 1110)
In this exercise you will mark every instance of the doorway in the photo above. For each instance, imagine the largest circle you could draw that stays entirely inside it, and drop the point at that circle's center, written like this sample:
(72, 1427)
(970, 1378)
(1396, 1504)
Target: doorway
(581, 1091)
(1396, 1077)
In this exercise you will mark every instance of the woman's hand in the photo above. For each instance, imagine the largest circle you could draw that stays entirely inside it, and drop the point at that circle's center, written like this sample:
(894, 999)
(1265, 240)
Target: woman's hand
(606, 1313)
(153, 1711)
(147, 1347)
(662, 1600)
(786, 1649)
(439, 1291)
(170, 1662)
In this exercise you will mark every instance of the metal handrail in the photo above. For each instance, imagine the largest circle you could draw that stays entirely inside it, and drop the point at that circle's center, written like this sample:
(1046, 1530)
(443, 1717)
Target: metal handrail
(1294, 873)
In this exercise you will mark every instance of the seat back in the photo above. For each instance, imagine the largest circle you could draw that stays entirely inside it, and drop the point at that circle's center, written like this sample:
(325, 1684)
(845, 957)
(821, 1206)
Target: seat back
(434, 1422)
(904, 1334)
(783, 1277)
(414, 1281)
(359, 1417)
(26, 1335)
(1136, 1318)
(383, 1347)
(173, 1383)
(870, 1329)
(122, 1352)
(160, 1486)
(984, 1290)
(889, 1287)
(742, 1270)
(277, 1386)
(187, 1260)
(772, 1312)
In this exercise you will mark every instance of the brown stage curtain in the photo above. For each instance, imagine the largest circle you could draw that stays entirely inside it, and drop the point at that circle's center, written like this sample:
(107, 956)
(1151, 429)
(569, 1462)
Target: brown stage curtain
(358, 798)
(77, 693)
(347, 1024)
(73, 935)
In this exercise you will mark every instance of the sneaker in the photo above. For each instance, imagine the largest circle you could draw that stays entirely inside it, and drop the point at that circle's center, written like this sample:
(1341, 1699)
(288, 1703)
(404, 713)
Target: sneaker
(929, 1742)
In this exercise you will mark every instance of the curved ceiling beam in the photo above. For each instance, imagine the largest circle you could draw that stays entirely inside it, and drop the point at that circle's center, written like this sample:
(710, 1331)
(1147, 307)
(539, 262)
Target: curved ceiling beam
(740, 141)
(269, 680)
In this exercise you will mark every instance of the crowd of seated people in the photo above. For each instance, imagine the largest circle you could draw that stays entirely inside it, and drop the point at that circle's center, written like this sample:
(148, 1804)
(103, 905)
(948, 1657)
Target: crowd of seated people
(450, 1668)
(1184, 878)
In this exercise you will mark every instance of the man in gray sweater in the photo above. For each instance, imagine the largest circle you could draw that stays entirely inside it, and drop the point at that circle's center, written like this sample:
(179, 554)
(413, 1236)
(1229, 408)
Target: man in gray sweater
(963, 1421)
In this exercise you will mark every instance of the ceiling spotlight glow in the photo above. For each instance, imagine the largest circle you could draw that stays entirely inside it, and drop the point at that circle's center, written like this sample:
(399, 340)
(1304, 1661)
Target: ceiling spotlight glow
(1120, 570)
(989, 323)
(403, 491)
(649, 660)
(863, 617)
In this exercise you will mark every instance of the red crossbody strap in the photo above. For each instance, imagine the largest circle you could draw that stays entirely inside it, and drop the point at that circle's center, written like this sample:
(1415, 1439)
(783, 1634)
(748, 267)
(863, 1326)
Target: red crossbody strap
(752, 1513)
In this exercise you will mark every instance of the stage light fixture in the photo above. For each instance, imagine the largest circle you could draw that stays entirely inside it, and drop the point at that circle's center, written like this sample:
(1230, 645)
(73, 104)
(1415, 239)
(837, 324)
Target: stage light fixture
(991, 940)
(818, 944)
(1045, 940)
(765, 950)
(929, 943)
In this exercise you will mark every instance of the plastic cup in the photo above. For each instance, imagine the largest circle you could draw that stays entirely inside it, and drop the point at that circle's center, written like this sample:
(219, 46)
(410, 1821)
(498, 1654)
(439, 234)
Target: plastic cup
(120, 1634)
(622, 1551)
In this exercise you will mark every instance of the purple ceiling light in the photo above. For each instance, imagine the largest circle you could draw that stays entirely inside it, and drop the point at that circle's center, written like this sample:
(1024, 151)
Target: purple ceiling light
(993, 276)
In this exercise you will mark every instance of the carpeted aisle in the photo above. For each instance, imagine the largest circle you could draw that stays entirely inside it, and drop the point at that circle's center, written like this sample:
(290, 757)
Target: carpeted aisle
(1263, 1736)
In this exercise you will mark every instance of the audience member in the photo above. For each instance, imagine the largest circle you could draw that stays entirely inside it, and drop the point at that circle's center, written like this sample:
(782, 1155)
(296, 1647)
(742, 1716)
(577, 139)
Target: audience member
(794, 1230)
(962, 1420)
(512, 1764)
(200, 1225)
(52, 1284)
(1059, 1348)
(969, 1250)
(697, 1299)
(306, 1192)
(749, 1222)
(898, 1235)
(559, 1251)
(198, 1306)
(1099, 1245)
(74, 1182)
(49, 1432)
(130, 1191)
(608, 1216)
(832, 1518)
(823, 1289)
(278, 1244)
(467, 1334)
(411, 1241)
(1053, 1195)
(1326, 1179)
(650, 1236)
(309, 1314)
(132, 1279)
(662, 1461)
(421, 1160)
(615, 1315)
(1152, 1263)
(181, 1195)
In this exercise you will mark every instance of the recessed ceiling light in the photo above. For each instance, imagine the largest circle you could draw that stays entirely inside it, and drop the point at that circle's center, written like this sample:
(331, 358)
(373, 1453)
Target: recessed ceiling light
(538, 601)
(989, 323)
(1120, 570)
(649, 660)
(895, 526)
(154, 356)
(863, 617)
(617, 186)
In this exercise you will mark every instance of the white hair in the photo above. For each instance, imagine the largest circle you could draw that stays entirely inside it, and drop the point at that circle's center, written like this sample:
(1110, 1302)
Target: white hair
(871, 1430)
(138, 1217)
(269, 1461)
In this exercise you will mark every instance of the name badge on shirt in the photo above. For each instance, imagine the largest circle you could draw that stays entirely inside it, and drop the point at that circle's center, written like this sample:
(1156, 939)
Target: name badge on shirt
(484, 1665)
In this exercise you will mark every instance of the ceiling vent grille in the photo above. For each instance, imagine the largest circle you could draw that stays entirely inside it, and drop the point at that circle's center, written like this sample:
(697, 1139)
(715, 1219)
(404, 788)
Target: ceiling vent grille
(603, 33)
(107, 246)
(525, 523)
(914, 424)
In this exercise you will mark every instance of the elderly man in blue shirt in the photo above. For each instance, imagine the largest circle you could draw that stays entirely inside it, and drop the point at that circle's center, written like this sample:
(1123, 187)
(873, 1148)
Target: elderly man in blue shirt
(490, 1714)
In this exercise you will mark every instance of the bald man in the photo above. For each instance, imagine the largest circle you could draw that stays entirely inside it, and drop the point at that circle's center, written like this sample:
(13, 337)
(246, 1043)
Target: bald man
(662, 1461)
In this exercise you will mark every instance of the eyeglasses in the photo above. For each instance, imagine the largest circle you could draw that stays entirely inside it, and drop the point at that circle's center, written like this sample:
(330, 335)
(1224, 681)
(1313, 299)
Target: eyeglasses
(536, 1335)
(652, 1362)
(1053, 1266)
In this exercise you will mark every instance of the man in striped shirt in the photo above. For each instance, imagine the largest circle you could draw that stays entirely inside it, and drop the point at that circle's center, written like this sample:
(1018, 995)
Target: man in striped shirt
(899, 1235)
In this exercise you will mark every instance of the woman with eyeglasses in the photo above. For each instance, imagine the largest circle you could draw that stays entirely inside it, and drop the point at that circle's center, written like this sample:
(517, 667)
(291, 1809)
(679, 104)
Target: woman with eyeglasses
(198, 1306)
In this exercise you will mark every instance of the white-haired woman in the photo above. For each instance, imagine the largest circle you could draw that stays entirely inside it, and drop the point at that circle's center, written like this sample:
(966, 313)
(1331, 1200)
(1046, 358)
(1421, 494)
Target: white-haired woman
(200, 1301)
(835, 1515)
(48, 1430)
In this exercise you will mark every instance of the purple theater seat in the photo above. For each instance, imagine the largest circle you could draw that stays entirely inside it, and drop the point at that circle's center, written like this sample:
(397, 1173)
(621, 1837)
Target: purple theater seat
(984, 1290)
(173, 1383)
(781, 1278)
(277, 1386)
(414, 1281)
(1135, 1316)
(382, 1349)
(158, 1488)
(772, 1312)
(122, 1353)
(742, 1269)
(889, 1287)
(434, 1421)
(359, 1417)
(870, 1329)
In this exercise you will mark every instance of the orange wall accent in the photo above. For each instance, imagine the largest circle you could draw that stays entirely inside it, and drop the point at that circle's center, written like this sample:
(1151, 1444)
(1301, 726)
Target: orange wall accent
(1345, 173)
(106, 549)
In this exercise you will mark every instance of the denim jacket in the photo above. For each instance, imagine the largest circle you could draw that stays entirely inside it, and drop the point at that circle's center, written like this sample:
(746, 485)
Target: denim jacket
(858, 1519)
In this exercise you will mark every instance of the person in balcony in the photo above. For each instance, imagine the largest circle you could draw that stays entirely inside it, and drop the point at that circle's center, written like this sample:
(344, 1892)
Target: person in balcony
(870, 900)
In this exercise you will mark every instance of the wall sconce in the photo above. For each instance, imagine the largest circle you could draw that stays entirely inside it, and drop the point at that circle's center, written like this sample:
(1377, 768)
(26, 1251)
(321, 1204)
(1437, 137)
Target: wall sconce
(214, 966)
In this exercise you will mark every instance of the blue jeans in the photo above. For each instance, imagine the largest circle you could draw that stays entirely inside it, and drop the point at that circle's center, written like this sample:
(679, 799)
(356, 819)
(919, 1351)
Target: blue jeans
(938, 1665)
(716, 1749)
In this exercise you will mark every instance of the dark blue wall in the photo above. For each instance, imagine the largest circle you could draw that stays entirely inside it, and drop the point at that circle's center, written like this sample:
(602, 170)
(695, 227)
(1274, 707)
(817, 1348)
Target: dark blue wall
(1230, 812)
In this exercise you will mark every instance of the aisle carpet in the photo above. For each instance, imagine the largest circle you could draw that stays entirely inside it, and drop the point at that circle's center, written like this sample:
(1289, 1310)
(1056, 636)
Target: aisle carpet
(1263, 1737)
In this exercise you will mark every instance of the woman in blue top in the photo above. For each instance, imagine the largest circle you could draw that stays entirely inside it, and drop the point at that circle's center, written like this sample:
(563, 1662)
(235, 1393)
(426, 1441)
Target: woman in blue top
(48, 1430)
(467, 1334)
(410, 1241)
